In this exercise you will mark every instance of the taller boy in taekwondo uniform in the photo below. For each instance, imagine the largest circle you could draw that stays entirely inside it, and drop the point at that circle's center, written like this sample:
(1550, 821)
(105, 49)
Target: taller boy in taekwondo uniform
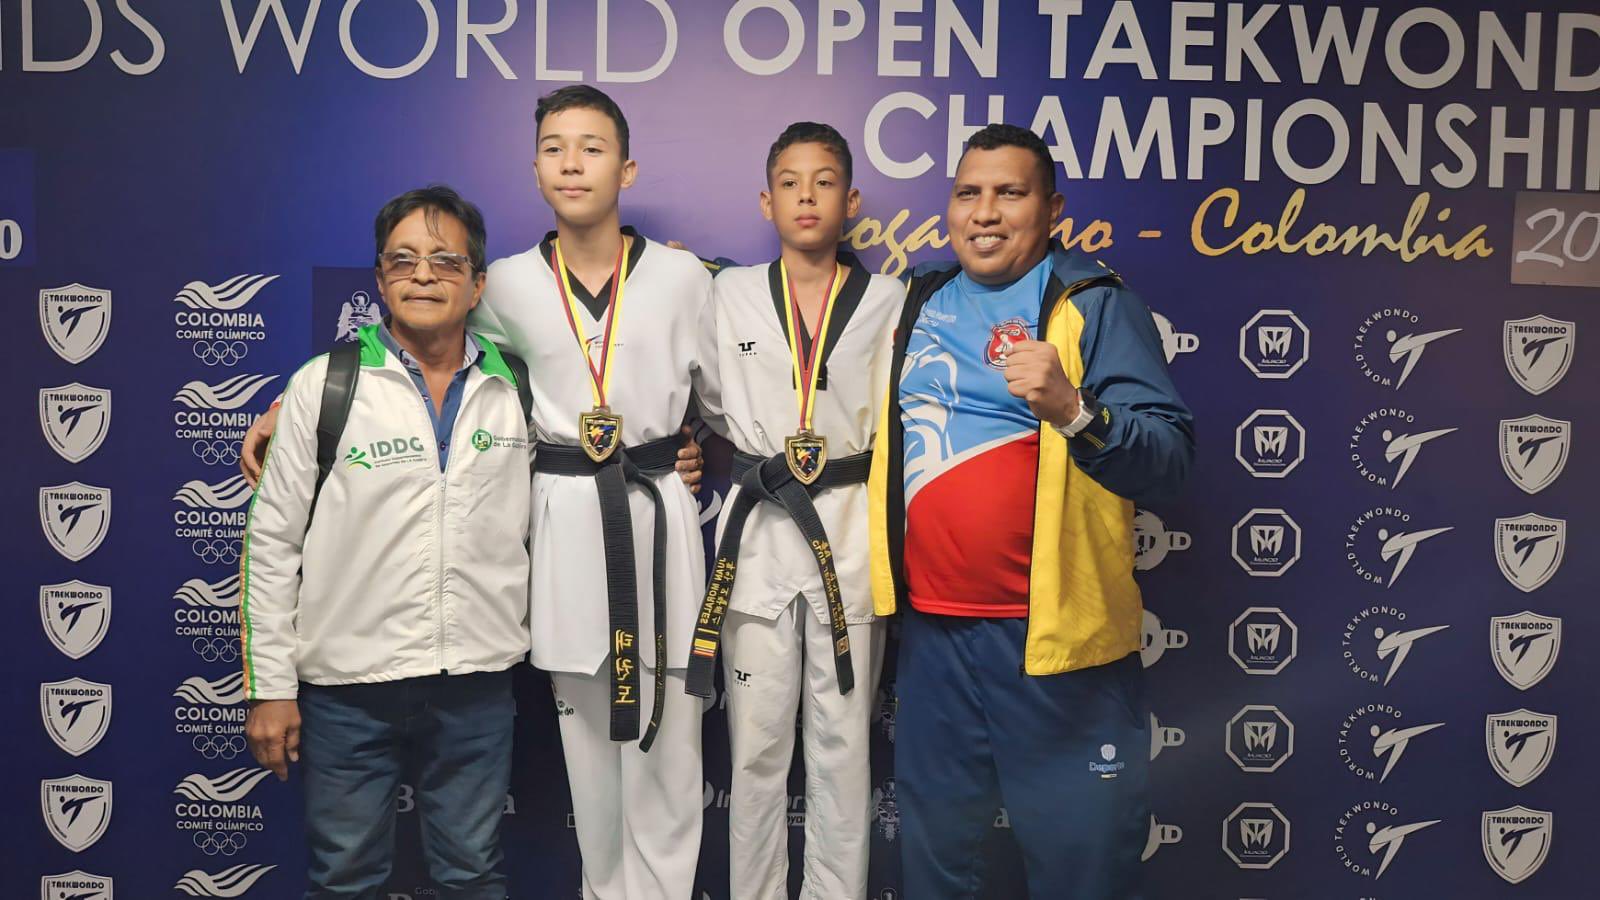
(803, 345)
(1029, 408)
(617, 330)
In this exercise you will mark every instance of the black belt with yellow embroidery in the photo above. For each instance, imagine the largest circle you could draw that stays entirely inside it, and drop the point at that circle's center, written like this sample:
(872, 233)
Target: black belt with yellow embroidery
(628, 465)
(769, 479)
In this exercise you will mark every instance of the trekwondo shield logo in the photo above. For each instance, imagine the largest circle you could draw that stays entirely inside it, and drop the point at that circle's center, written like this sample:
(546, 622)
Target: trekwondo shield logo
(1263, 640)
(1260, 738)
(233, 881)
(1521, 743)
(1524, 647)
(75, 419)
(1538, 351)
(76, 810)
(1266, 542)
(1533, 450)
(75, 885)
(1529, 549)
(75, 319)
(75, 517)
(1516, 841)
(1270, 443)
(1274, 344)
(1255, 835)
(76, 713)
(76, 615)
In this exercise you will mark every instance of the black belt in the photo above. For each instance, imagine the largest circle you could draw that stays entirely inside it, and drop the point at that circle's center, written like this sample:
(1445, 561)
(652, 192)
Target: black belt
(769, 479)
(628, 465)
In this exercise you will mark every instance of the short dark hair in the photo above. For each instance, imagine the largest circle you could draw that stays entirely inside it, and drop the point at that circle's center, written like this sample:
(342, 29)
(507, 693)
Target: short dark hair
(583, 96)
(999, 134)
(435, 199)
(812, 133)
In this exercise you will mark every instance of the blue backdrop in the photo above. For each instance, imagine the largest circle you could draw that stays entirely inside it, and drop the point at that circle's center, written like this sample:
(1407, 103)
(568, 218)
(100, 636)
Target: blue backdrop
(1366, 616)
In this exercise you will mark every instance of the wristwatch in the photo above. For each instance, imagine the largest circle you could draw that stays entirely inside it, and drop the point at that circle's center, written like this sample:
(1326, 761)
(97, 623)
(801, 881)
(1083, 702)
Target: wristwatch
(1093, 421)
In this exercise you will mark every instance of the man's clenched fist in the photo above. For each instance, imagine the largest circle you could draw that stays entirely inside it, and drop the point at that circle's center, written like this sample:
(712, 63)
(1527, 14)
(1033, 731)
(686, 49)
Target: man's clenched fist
(1034, 373)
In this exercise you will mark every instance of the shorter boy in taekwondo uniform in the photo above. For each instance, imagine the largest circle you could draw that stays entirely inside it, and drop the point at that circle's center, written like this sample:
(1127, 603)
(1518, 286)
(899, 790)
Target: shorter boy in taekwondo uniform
(803, 346)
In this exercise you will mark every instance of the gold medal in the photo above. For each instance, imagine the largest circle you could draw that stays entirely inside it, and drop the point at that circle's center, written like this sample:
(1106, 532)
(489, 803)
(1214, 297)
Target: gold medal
(600, 429)
(806, 451)
(600, 433)
(806, 454)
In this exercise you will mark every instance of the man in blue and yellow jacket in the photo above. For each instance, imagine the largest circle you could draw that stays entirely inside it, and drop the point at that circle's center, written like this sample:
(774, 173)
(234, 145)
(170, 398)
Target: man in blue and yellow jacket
(1029, 409)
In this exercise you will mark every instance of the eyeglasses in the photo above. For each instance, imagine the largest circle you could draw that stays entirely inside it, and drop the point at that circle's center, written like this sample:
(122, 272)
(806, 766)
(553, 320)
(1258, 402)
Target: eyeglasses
(400, 264)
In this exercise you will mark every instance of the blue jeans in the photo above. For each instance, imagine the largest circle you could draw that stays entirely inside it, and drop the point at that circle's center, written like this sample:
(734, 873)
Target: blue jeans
(354, 741)
(1067, 756)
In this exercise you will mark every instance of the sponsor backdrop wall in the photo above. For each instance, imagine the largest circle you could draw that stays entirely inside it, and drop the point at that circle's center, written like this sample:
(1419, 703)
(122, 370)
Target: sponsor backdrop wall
(1371, 237)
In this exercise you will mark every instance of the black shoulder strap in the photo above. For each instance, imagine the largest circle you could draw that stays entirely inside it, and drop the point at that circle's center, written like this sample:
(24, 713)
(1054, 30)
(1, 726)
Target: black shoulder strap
(519, 369)
(338, 391)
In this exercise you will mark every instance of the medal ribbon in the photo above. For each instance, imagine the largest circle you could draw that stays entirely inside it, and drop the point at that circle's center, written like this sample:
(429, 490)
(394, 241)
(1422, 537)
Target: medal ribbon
(806, 369)
(599, 378)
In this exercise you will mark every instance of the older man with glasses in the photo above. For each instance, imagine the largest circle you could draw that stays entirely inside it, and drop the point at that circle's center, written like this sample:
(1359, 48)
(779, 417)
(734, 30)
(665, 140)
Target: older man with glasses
(385, 579)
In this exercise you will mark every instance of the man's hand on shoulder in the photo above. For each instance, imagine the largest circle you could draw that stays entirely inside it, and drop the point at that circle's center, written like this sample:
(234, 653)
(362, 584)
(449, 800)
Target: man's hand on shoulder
(1035, 374)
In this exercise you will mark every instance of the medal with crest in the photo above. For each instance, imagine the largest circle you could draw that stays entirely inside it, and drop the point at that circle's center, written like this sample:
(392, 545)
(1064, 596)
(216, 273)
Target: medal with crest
(600, 429)
(806, 451)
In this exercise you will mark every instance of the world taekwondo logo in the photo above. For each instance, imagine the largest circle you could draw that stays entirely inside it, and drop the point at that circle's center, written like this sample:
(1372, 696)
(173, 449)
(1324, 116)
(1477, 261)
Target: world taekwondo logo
(1369, 836)
(1385, 444)
(1516, 841)
(1263, 640)
(75, 419)
(214, 319)
(1152, 541)
(75, 885)
(1377, 642)
(1173, 341)
(1381, 543)
(75, 517)
(1524, 647)
(1274, 344)
(76, 319)
(233, 881)
(1260, 738)
(1533, 450)
(1255, 835)
(213, 518)
(1389, 361)
(76, 810)
(1520, 744)
(76, 713)
(76, 615)
(1266, 542)
(1372, 740)
(1270, 443)
(1539, 351)
(1529, 549)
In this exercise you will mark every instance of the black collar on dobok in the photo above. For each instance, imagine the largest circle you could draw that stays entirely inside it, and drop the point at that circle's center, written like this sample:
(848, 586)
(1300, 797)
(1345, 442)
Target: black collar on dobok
(769, 479)
(636, 466)
(855, 287)
(595, 303)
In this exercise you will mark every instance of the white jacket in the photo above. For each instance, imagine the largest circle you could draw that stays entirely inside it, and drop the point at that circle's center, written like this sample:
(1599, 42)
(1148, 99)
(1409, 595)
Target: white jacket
(405, 571)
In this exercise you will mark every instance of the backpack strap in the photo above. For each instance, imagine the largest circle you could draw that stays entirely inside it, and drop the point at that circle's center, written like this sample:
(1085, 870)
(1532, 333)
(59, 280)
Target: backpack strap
(338, 392)
(519, 369)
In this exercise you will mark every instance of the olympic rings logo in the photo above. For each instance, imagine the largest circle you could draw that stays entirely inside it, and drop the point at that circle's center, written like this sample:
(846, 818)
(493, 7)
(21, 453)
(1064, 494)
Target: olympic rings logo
(216, 649)
(217, 550)
(217, 746)
(220, 353)
(225, 843)
(216, 453)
